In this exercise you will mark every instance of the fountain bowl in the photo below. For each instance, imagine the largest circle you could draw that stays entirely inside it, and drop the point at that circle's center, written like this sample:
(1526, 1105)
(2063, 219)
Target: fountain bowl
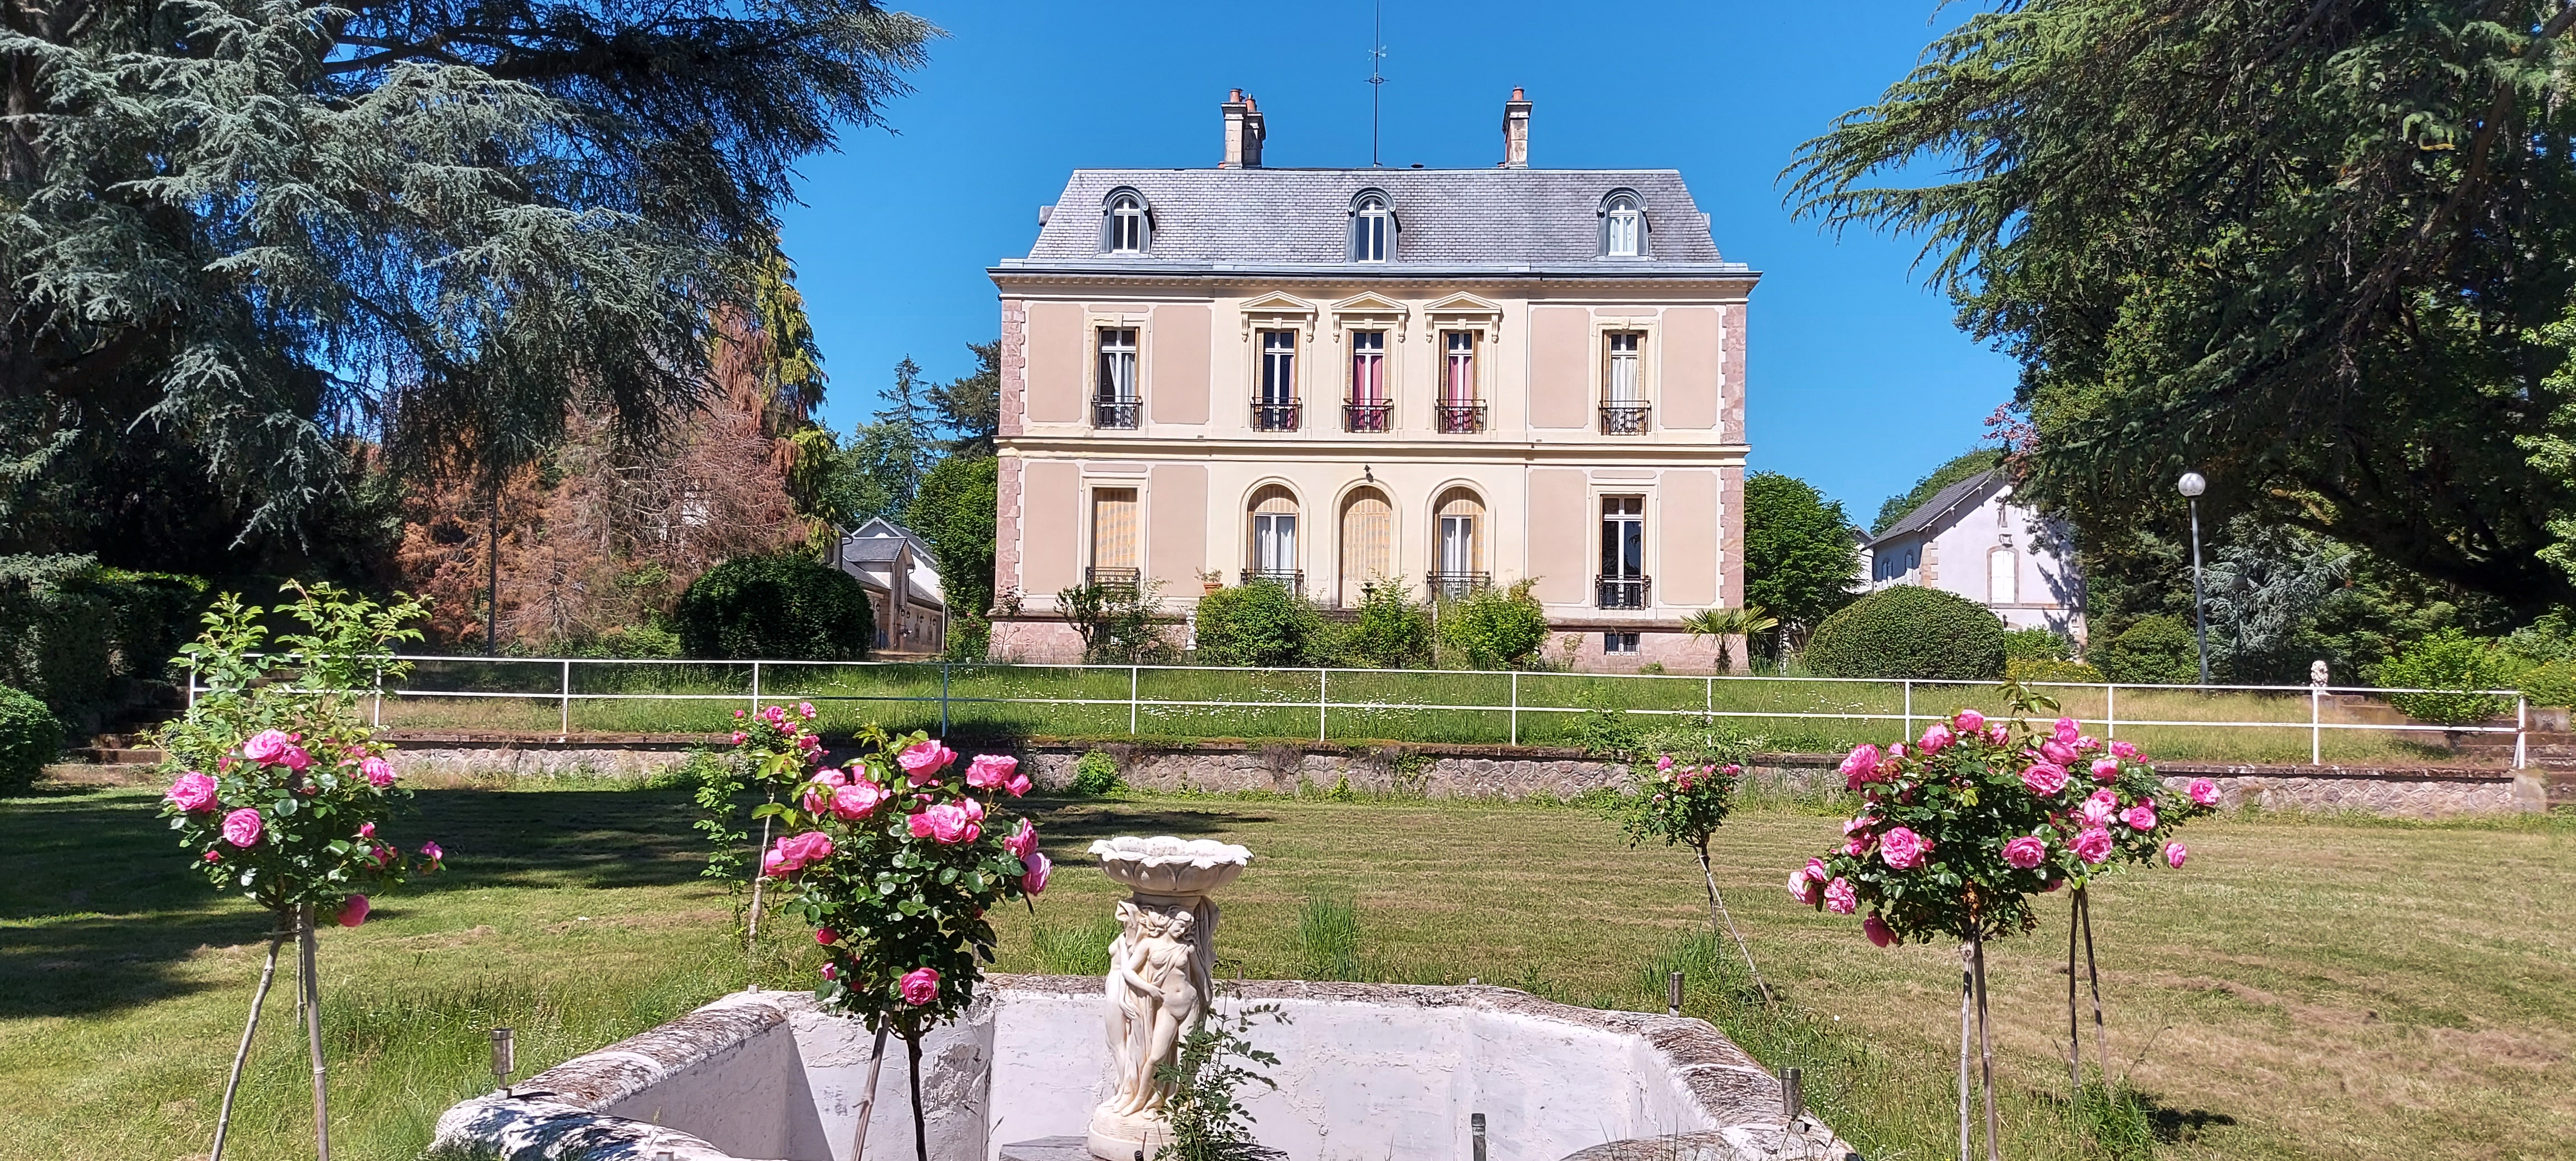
(1171, 867)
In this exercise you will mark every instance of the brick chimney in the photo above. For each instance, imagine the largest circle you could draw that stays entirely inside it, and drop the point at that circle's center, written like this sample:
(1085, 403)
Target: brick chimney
(1516, 131)
(1242, 132)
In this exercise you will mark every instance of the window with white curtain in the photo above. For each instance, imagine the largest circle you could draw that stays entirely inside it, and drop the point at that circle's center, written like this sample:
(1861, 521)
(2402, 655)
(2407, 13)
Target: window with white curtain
(1368, 366)
(1117, 365)
(1623, 383)
(1458, 368)
(1278, 367)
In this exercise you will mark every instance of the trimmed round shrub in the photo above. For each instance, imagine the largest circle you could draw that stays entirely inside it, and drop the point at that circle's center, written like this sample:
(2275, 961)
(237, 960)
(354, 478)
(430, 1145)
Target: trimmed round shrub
(2453, 662)
(1261, 624)
(2036, 645)
(30, 736)
(2550, 684)
(1495, 628)
(787, 608)
(2153, 650)
(1912, 632)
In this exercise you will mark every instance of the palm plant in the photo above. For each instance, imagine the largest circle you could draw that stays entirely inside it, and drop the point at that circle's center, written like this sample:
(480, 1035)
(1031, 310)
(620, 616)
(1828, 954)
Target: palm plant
(1727, 624)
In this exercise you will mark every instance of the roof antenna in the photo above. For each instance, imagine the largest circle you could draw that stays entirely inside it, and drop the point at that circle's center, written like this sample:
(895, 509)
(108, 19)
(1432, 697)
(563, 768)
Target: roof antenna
(1376, 78)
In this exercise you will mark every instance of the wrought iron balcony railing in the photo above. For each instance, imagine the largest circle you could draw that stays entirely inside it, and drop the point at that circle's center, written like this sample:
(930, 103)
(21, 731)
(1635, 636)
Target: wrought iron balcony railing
(1621, 592)
(1624, 418)
(1115, 413)
(1294, 580)
(1112, 578)
(1450, 586)
(1459, 418)
(1369, 415)
(1275, 416)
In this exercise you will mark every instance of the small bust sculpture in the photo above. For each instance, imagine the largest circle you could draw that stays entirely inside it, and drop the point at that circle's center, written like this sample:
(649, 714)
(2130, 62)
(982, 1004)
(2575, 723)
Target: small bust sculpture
(2317, 673)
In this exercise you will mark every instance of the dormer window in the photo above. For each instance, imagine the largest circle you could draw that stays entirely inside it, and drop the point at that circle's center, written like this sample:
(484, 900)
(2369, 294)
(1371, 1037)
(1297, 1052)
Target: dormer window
(1124, 228)
(1623, 226)
(1372, 227)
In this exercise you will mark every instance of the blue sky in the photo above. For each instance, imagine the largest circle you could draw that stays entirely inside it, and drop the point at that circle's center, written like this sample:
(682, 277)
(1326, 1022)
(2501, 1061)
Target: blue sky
(1859, 382)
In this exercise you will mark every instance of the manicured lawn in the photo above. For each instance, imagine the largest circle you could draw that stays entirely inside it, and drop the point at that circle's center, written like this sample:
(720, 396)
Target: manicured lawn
(2304, 989)
(1441, 706)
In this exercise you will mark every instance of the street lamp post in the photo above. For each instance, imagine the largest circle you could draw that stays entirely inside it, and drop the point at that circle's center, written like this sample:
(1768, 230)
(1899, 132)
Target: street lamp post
(2191, 486)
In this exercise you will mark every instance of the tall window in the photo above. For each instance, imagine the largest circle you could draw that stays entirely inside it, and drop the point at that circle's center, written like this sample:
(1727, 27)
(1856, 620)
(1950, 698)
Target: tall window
(1458, 367)
(1113, 537)
(1126, 225)
(1278, 367)
(1371, 223)
(2003, 577)
(1622, 581)
(1623, 227)
(1114, 399)
(1623, 383)
(1274, 537)
(1368, 543)
(1368, 366)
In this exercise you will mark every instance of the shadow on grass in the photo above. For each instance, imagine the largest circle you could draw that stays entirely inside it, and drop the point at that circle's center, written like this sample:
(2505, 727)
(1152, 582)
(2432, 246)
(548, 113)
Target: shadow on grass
(1069, 824)
(99, 908)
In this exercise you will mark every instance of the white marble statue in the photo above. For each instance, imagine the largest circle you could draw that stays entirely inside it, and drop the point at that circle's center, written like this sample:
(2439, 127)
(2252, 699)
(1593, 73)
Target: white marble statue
(1161, 976)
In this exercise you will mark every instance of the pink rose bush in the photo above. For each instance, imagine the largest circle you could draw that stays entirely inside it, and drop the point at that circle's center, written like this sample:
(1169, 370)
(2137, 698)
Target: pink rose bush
(897, 865)
(1955, 836)
(281, 785)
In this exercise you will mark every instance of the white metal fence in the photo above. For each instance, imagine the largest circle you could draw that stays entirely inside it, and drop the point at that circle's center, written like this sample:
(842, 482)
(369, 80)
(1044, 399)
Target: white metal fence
(1272, 698)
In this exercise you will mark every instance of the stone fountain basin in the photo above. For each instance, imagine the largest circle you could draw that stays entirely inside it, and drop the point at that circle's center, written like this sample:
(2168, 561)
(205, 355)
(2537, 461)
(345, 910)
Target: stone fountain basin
(1366, 1072)
(1170, 867)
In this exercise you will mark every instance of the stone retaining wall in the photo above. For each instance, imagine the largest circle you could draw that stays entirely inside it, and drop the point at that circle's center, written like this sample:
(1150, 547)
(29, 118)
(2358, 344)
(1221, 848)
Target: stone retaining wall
(1504, 772)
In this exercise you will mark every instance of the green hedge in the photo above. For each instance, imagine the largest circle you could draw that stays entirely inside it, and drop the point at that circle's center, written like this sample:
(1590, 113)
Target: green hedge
(2153, 650)
(2042, 669)
(2450, 661)
(785, 608)
(30, 736)
(1910, 632)
(70, 627)
(1261, 624)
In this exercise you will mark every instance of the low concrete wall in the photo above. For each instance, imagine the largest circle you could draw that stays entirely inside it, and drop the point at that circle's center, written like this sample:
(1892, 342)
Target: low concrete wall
(1505, 772)
(1366, 1072)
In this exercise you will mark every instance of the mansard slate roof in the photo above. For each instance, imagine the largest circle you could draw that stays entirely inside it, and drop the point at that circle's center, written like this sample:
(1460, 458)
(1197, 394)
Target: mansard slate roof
(1941, 504)
(1447, 219)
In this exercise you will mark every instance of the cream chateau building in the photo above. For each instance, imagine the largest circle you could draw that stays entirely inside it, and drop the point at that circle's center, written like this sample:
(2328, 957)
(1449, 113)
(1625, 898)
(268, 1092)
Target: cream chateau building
(1336, 376)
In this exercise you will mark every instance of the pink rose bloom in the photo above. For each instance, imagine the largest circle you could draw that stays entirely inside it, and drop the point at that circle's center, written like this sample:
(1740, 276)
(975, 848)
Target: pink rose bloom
(947, 824)
(2098, 809)
(825, 936)
(990, 770)
(1801, 887)
(2026, 852)
(1817, 870)
(2105, 769)
(242, 827)
(1997, 734)
(2087, 743)
(2057, 752)
(380, 773)
(858, 800)
(214, 856)
(1969, 721)
(920, 986)
(1023, 841)
(738, 735)
(2124, 750)
(1877, 931)
(433, 853)
(830, 972)
(824, 790)
(354, 912)
(2044, 779)
(267, 746)
(1858, 825)
(1017, 784)
(1732, 770)
(1935, 739)
(2140, 817)
(1902, 849)
(1039, 868)
(2175, 854)
(1663, 763)
(1856, 846)
(2094, 845)
(922, 762)
(1895, 753)
(1841, 897)
(295, 759)
(806, 708)
(366, 830)
(193, 792)
(796, 852)
(2066, 731)
(2203, 792)
(1861, 763)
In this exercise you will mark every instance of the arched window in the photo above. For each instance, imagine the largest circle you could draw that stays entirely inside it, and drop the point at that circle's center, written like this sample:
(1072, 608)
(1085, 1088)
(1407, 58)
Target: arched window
(1458, 560)
(1124, 226)
(1623, 225)
(1372, 227)
(1368, 543)
(1274, 538)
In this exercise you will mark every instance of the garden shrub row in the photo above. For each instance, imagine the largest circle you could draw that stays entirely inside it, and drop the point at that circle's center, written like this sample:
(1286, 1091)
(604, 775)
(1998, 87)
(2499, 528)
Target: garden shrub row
(70, 627)
(1262, 624)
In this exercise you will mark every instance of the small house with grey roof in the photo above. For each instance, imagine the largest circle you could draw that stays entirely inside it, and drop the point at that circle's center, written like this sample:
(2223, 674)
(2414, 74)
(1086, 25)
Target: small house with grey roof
(1337, 378)
(901, 575)
(1973, 540)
